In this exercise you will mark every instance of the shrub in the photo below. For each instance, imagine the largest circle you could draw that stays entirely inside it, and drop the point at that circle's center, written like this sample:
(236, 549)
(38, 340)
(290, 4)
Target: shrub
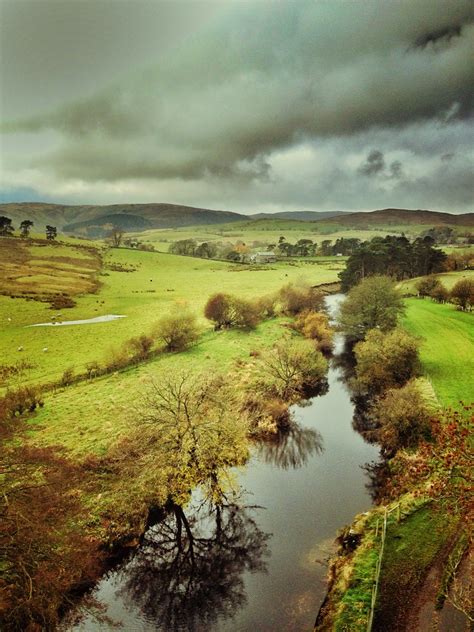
(315, 326)
(266, 306)
(462, 294)
(385, 360)
(427, 285)
(290, 367)
(403, 416)
(218, 309)
(22, 400)
(225, 310)
(440, 294)
(67, 377)
(296, 299)
(374, 303)
(140, 347)
(62, 302)
(246, 314)
(177, 331)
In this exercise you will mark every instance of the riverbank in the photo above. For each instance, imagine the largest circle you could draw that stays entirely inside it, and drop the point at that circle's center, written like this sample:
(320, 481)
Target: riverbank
(423, 537)
(282, 527)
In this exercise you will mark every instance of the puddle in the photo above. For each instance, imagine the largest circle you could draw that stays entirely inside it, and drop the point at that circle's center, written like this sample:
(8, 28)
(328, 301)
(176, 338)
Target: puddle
(87, 321)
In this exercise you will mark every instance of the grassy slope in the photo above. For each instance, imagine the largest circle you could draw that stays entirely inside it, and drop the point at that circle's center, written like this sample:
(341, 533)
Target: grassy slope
(447, 349)
(447, 278)
(107, 404)
(157, 284)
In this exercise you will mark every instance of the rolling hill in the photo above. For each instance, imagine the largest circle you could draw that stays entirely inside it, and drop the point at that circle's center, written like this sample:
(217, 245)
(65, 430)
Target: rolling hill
(96, 221)
(400, 216)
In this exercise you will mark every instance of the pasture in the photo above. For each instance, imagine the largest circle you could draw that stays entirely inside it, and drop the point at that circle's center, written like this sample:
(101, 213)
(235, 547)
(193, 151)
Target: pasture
(142, 286)
(447, 347)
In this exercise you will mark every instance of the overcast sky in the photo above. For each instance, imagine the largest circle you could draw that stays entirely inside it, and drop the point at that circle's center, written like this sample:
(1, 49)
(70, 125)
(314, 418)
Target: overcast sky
(243, 106)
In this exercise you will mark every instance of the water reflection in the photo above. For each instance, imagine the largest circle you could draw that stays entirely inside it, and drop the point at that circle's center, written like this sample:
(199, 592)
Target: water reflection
(291, 447)
(188, 573)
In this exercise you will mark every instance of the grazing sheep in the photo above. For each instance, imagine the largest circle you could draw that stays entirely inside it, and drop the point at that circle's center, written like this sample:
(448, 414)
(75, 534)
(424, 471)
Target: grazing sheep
(20, 348)
(45, 349)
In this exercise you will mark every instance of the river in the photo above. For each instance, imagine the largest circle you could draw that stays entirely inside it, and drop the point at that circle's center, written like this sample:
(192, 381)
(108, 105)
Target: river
(257, 564)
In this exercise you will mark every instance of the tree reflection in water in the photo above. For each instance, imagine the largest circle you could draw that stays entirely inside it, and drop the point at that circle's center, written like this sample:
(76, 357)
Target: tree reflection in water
(291, 447)
(188, 572)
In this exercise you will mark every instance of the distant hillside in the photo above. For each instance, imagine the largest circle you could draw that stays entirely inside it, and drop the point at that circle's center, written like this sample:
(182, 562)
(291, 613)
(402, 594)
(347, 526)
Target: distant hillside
(96, 221)
(129, 216)
(306, 216)
(399, 217)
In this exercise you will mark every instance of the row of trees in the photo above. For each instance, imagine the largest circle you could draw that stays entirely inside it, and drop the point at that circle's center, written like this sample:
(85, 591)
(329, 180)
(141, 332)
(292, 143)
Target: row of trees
(386, 365)
(392, 256)
(240, 251)
(462, 293)
(7, 229)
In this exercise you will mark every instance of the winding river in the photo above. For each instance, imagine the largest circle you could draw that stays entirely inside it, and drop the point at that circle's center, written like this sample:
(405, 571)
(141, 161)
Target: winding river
(258, 563)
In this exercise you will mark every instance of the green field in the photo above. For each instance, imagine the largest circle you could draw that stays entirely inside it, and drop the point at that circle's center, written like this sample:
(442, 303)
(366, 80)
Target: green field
(154, 284)
(447, 347)
(255, 234)
(448, 279)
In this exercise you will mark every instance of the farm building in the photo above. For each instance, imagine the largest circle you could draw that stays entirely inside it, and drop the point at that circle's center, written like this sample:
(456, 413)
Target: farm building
(263, 257)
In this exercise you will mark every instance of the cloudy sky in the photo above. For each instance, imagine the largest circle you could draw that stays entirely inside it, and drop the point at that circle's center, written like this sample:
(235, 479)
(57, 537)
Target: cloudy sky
(243, 106)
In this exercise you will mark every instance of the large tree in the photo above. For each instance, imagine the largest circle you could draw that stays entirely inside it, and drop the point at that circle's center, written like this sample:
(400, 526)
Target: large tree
(25, 226)
(51, 232)
(373, 304)
(6, 228)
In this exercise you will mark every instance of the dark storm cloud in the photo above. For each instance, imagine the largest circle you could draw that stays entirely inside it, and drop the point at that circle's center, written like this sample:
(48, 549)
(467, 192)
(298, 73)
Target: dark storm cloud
(374, 164)
(216, 109)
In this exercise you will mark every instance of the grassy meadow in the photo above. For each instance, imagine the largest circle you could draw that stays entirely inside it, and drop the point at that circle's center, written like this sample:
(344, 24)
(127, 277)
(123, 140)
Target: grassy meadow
(140, 285)
(447, 347)
(260, 233)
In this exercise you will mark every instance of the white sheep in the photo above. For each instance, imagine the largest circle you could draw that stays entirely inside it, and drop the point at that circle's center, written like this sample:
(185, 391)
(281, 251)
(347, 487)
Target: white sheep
(20, 348)
(45, 349)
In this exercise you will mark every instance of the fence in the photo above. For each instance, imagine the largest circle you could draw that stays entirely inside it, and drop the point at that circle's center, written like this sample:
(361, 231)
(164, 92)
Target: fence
(378, 566)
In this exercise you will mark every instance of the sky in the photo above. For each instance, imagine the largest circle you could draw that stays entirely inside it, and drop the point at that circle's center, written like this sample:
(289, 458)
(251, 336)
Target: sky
(243, 106)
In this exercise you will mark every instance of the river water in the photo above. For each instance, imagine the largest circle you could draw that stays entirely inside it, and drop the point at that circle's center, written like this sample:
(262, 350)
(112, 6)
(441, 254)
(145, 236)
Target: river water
(258, 563)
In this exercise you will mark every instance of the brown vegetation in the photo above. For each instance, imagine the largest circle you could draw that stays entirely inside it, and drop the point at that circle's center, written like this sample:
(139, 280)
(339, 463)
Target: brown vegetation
(28, 274)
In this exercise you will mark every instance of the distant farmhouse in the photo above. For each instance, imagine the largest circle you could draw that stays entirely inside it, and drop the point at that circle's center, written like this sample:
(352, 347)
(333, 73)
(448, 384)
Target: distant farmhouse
(263, 257)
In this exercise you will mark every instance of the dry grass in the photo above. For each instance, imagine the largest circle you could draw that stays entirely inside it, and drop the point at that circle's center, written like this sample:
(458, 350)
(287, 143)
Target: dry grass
(39, 269)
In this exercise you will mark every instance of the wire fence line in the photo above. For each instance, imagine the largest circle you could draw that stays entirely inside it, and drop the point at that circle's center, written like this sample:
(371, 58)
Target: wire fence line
(378, 566)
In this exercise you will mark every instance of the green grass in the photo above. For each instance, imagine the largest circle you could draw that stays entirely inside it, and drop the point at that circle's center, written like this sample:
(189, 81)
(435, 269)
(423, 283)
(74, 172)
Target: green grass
(87, 417)
(410, 549)
(158, 283)
(448, 279)
(447, 348)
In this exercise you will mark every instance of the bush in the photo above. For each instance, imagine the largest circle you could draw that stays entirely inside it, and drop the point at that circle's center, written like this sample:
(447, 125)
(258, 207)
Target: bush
(296, 299)
(315, 326)
(177, 331)
(292, 366)
(427, 285)
(403, 417)
(225, 310)
(24, 399)
(62, 302)
(374, 303)
(67, 377)
(141, 347)
(385, 360)
(440, 294)
(266, 306)
(462, 294)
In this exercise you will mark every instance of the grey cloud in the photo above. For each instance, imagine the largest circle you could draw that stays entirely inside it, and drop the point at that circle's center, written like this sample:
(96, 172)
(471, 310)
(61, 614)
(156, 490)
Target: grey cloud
(264, 78)
(374, 164)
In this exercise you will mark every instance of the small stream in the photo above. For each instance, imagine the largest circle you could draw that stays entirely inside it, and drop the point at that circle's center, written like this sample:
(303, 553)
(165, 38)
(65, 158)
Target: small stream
(257, 564)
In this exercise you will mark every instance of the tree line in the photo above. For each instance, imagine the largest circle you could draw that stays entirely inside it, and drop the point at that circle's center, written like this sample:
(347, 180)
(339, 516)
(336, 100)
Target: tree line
(393, 256)
(7, 229)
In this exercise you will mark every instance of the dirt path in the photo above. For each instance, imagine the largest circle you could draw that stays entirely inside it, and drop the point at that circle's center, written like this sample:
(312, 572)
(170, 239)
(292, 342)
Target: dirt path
(424, 617)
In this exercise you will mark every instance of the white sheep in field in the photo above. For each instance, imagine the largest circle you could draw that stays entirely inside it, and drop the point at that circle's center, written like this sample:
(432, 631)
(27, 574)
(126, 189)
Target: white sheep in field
(20, 348)
(45, 349)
